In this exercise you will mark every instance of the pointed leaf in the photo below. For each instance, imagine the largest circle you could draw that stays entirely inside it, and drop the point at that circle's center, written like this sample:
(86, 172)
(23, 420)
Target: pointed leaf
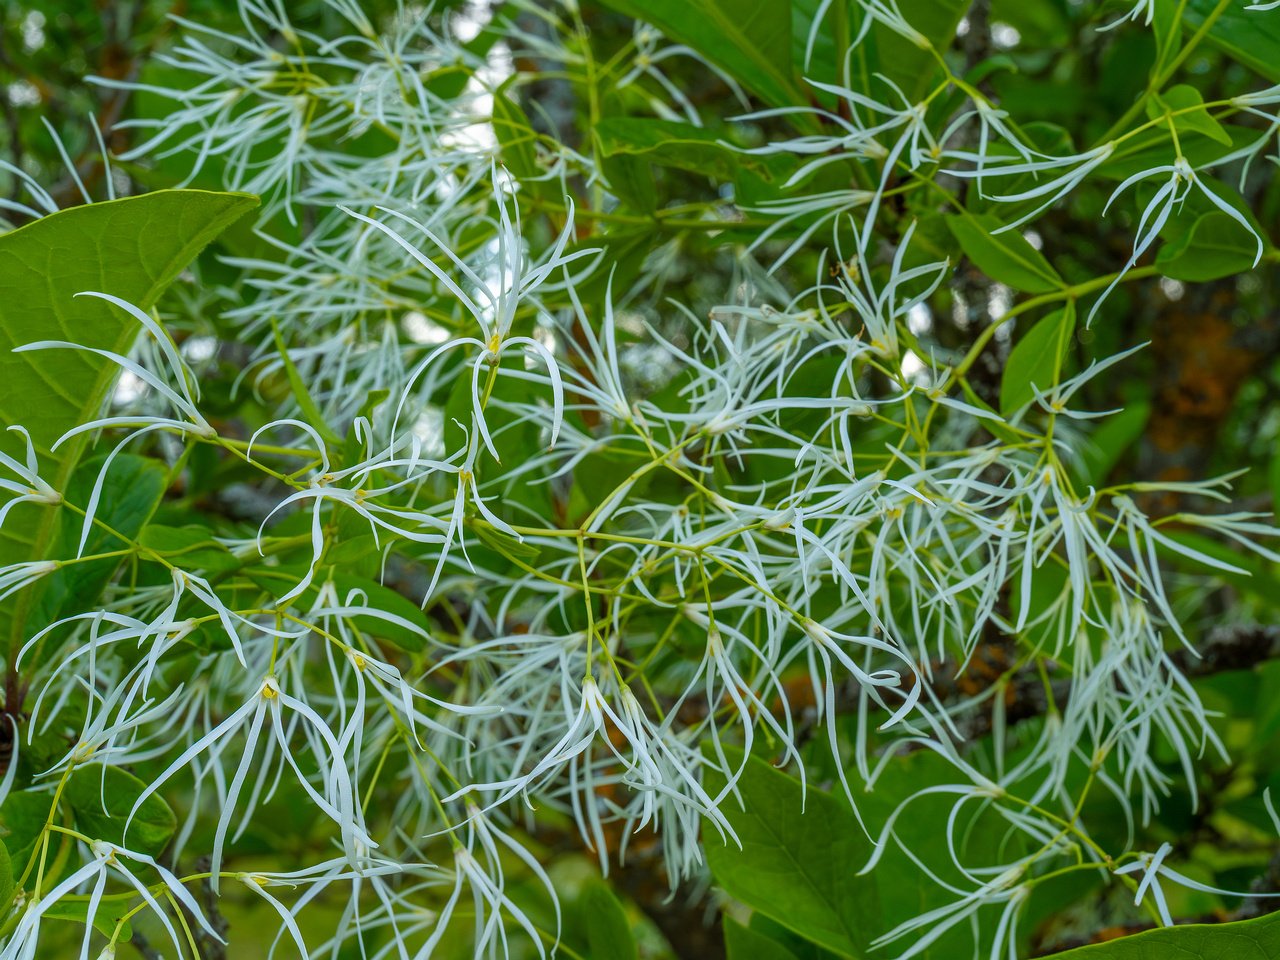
(104, 921)
(608, 929)
(1215, 246)
(279, 580)
(799, 858)
(129, 496)
(744, 943)
(132, 249)
(190, 548)
(6, 879)
(22, 818)
(101, 799)
(1250, 36)
(1037, 360)
(1006, 257)
(1257, 939)
(749, 39)
(670, 144)
(1187, 98)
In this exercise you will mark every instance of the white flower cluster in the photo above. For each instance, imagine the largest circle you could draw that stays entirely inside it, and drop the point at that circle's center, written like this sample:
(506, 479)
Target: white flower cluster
(797, 504)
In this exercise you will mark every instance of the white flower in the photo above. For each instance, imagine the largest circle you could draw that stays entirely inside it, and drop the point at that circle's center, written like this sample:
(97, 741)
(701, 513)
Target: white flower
(1181, 179)
(32, 489)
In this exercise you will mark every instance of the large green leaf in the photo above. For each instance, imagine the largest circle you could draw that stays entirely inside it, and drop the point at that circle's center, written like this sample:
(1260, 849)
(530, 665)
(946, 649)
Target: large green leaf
(668, 144)
(1217, 245)
(749, 39)
(110, 912)
(608, 930)
(101, 799)
(1257, 939)
(1257, 578)
(1037, 359)
(23, 817)
(909, 66)
(822, 56)
(799, 859)
(981, 837)
(1183, 97)
(132, 249)
(624, 252)
(514, 134)
(1154, 147)
(6, 878)
(1007, 257)
(1249, 36)
(191, 547)
(630, 179)
(130, 493)
(1105, 446)
(743, 943)
(280, 579)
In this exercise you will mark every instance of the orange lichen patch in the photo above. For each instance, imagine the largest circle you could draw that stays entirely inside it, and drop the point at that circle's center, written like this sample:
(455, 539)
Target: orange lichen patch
(1204, 364)
(1111, 933)
(1200, 362)
(988, 663)
(800, 694)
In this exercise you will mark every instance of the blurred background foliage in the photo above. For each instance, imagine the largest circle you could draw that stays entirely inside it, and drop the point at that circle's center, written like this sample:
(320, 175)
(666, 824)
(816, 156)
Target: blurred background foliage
(1203, 400)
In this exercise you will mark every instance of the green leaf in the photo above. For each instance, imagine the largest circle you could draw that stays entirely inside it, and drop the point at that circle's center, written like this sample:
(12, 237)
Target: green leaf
(130, 494)
(1167, 30)
(1104, 448)
(104, 921)
(132, 249)
(906, 64)
(7, 880)
(310, 411)
(1256, 580)
(356, 448)
(1184, 97)
(411, 636)
(1257, 939)
(1155, 147)
(624, 252)
(799, 858)
(743, 943)
(608, 930)
(668, 144)
(514, 134)
(997, 429)
(348, 552)
(1037, 359)
(630, 180)
(1196, 204)
(749, 39)
(1217, 245)
(1273, 477)
(101, 797)
(1249, 36)
(1006, 257)
(797, 945)
(23, 816)
(822, 60)
(509, 547)
(191, 547)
